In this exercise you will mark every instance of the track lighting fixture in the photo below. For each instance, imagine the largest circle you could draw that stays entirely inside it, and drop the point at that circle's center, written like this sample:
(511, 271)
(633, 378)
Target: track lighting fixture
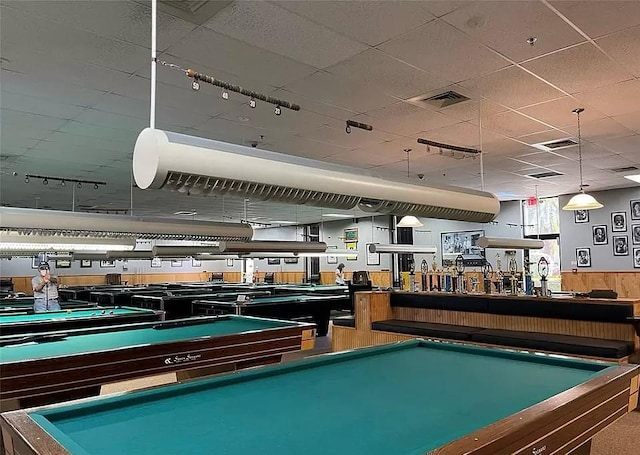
(277, 110)
(362, 126)
(63, 183)
(195, 85)
(348, 129)
(252, 103)
(26, 179)
(225, 95)
(45, 181)
(95, 186)
(79, 184)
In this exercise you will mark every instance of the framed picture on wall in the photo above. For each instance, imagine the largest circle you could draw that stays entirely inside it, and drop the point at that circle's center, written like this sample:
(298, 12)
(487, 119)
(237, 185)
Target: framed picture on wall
(351, 235)
(352, 246)
(85, 263)
(196, 263)
(63, 264)
(273, 261)
(107, 264)
(290, 260)
(635, 209)
(176, 263)
(636, 258)
(600, 236)
(36, 260)
(372, 258)
(455, 243)
(156, 263)
(331, 259)
(618, 221)
(635, 234)
(583, 257)
(620, 245)
(581, 216)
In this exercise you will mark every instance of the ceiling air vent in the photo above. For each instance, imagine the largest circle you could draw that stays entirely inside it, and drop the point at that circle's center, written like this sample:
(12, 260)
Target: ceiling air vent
(544, 175)
(624, 169)
(558, 144)
(445, 99)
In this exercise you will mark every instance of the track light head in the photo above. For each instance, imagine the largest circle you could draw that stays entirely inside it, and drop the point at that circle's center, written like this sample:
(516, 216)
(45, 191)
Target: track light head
(252, 103)
(45, 181)
(79, 184)
(225, 95)
(348, 129)
(63, 183)
(26, 179)
(277, 110)
(95, 186)
(195, 85)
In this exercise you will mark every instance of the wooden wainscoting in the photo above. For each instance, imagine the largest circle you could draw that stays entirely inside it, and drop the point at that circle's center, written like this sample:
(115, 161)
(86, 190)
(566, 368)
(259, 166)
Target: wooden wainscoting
(278, 277)
(381, 278)
(626, 284)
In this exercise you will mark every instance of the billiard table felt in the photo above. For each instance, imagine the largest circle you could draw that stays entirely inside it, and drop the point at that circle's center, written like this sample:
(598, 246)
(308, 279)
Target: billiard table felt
(57, 315)
(404, 399)
(77, 344)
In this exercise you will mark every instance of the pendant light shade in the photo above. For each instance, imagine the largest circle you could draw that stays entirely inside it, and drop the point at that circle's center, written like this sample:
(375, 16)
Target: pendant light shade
(582, 200)
(409, 221)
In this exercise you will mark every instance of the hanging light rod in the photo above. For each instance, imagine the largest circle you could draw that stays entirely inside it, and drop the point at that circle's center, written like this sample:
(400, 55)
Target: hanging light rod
(401, 248)
(509, 243)
(62, 180)
(453, 148)
(362, 126)
(197, 77)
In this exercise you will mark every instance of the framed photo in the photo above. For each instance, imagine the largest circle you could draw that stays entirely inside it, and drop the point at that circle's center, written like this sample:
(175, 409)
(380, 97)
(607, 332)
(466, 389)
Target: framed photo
(372, 258)
(600, 236)
(351, 235)
(156, 263)
(635, 234)
(36, 260)
(107, 264)
(63, 264)
(581, 216)
(635, 209)
(618, 221)
(290, 260)
(352, 246)
(196, 263)
(455, 243)
(229, 262)
(620, 245)
(332, 259)
(176, 263)
(636, 258)
(85, 263)
(583, 257)
(273, 261)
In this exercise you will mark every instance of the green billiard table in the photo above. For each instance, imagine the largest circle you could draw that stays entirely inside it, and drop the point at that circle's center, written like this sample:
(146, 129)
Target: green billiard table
(52, 366)
(75, 318)
(316, 307)
(416, 397)
(25, 305)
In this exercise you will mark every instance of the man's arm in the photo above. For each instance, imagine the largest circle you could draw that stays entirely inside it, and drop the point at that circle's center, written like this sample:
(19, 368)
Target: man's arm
(38, 284)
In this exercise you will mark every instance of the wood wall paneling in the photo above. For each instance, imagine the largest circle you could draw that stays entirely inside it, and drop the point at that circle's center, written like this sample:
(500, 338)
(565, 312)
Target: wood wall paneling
(626, 284)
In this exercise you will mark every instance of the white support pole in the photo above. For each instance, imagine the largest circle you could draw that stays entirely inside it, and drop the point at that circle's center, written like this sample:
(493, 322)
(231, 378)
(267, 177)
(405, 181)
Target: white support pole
(154, 14)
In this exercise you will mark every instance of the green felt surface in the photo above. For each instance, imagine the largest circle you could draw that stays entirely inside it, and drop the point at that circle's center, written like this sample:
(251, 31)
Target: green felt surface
(286, 299)
(402, 400)
(68, 314)
(76, 344)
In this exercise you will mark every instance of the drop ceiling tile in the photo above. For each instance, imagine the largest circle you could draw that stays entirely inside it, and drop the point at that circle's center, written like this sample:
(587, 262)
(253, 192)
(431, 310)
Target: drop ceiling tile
(597, 18)
(492, 23)
(123, 105)
(512, 124)
(578, 69)
(589, 152)
(599, 130)
(38, 105)
(558, 113)
(608, 162)
(69, 43)
(314, 105)
(235, 57)
(376, 154)
(86, 129)
(368, 22)
(390, 75)
(630, 121)
(618, 99)
(17, 119)
(440, 48)
(277, 30)
(89, 142)
(627, 145)
(357, 139)
(623, 47)
(512, 87)
(470, 110)
(331, 89)
(405, 119)
(544, 136)
(544, 159)
(115, 121)
(127, 21)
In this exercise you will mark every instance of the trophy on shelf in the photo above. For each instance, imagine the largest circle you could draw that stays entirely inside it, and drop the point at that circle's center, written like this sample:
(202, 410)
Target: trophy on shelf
(543, 271)
(487, 273)
(459, 285)
(424, 268)
(499, 283)
(513, 270)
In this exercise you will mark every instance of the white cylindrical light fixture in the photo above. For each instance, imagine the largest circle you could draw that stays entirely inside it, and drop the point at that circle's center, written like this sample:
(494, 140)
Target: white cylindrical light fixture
(510, 244)
(13, 241)
(396, 248)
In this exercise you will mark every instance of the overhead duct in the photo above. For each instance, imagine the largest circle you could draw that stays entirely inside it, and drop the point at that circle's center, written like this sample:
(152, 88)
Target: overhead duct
(202, 166)
(510, 244)
(395, 248)
(91, 256)
(51, 222)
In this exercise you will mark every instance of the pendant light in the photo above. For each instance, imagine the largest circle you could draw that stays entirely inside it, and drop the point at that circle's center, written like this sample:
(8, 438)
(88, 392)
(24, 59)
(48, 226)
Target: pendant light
(409, 220)
(582, 200)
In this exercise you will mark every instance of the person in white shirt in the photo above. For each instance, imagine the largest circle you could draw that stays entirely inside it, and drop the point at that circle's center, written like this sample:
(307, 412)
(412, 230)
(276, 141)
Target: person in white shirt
(340, 274)
(45, 290)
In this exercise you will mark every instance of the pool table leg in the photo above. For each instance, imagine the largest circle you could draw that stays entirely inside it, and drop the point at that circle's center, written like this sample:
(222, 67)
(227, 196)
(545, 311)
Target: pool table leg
(584, 449)
(322, 322)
